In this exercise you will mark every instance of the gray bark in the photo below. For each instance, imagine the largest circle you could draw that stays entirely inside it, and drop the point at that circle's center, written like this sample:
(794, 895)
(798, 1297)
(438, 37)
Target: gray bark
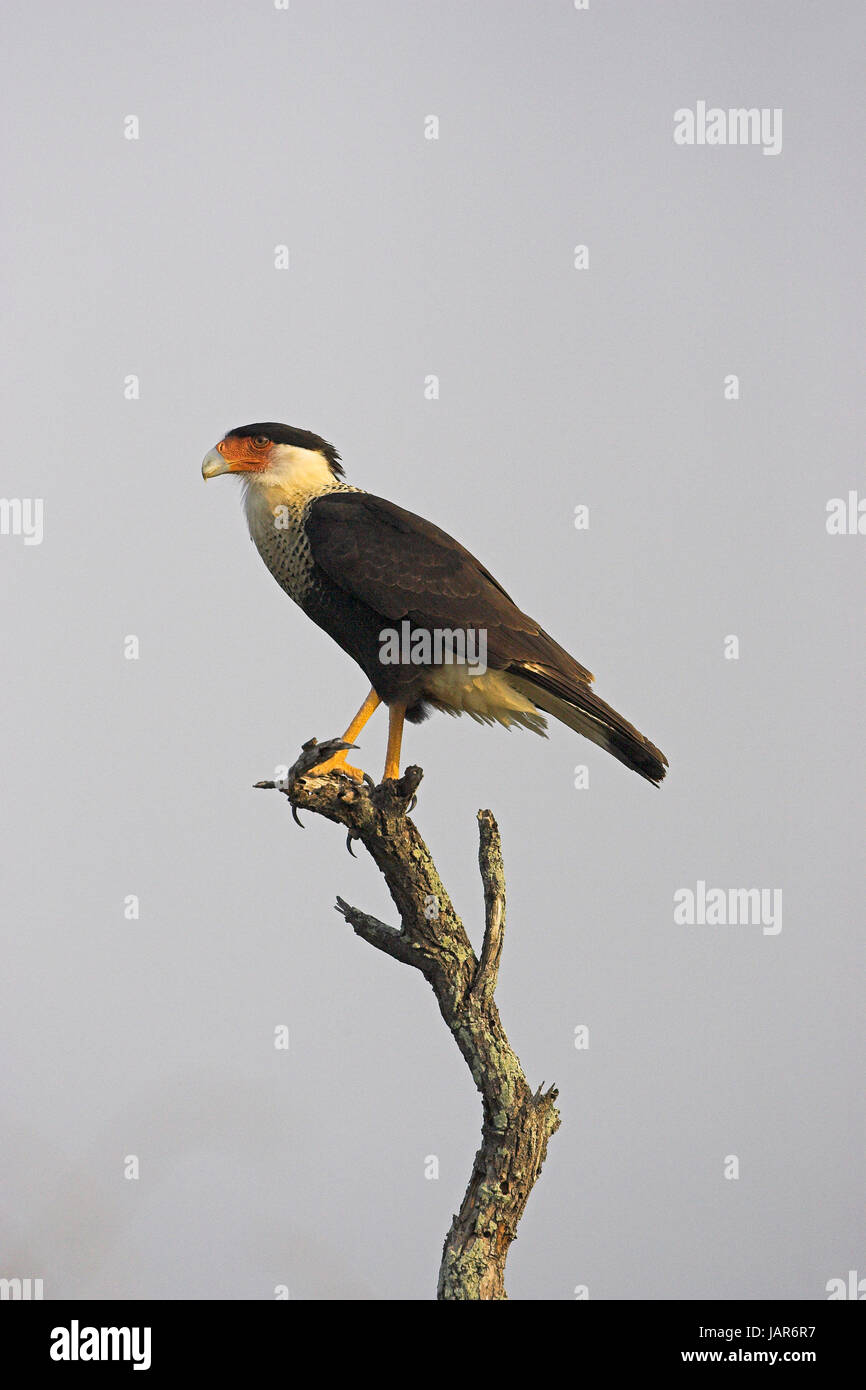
(517, 1122)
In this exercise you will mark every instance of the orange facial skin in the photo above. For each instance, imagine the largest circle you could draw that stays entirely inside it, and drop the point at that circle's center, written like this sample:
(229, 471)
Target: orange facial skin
(246, 455)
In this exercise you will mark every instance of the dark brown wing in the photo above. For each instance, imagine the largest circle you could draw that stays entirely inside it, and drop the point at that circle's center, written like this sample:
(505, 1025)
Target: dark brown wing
(402, 566)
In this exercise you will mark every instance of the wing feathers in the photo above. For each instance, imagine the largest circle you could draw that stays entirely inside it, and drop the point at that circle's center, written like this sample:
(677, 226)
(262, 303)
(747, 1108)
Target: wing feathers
(402, 566)
(578, 706)
(405, 567)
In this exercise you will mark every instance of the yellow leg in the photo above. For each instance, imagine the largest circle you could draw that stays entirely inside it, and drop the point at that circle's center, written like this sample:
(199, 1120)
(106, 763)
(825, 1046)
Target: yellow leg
(369, 707)
(396, 715)
(338, 762)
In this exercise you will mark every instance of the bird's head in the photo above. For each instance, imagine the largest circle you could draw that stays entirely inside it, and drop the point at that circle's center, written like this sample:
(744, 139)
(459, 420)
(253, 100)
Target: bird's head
(274, 455)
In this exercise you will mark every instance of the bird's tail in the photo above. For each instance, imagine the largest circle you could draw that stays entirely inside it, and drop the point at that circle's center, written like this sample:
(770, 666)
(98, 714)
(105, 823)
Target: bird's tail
(575, 703)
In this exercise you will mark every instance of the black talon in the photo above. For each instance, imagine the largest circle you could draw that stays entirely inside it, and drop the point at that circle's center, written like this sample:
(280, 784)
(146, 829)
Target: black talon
(296, 818)
(349, 838)
(412, 804)
(368, 779)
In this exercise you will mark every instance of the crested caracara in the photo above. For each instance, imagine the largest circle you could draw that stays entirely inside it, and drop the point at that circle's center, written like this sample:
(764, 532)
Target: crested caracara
(426, 622)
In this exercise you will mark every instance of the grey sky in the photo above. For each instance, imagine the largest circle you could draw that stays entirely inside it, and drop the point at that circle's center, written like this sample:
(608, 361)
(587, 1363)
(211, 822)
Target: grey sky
(558, 387)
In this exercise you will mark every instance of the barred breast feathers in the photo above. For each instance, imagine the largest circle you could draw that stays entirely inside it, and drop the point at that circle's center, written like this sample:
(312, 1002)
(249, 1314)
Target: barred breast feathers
(275, 517)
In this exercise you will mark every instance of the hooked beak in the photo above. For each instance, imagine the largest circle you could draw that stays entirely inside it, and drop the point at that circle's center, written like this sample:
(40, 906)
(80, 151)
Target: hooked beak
(213, 464)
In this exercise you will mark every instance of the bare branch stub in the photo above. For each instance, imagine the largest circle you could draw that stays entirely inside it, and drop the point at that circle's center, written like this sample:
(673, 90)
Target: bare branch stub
(517, 1123)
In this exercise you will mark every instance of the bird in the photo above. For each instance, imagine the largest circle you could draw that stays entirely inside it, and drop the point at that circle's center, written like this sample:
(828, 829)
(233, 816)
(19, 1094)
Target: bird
(429, 626)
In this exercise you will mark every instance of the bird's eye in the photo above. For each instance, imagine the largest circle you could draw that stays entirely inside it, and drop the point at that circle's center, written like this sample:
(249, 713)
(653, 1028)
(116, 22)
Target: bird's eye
(260, 441)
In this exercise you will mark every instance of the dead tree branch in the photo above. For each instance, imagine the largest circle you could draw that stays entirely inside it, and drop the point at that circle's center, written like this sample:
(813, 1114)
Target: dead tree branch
(517, 1122)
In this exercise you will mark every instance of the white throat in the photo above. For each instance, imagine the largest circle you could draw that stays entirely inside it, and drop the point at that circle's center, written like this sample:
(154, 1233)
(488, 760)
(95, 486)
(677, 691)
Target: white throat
(296, 471)
(278, 496)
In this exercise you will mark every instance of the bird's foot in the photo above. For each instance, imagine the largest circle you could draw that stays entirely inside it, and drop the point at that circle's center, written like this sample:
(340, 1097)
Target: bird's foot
(337, 762)
(316, 757)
